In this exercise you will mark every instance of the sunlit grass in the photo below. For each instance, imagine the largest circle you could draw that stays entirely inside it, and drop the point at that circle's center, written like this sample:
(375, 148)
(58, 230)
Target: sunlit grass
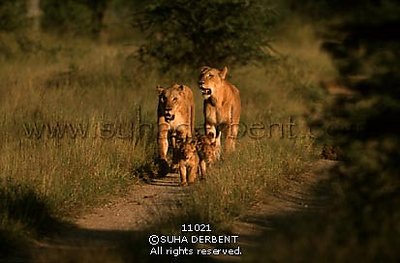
(86, 111)
(241, 179)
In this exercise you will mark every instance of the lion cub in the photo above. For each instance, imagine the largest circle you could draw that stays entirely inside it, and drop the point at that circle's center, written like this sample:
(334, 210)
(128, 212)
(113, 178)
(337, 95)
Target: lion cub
(188, 161)
(208, 152)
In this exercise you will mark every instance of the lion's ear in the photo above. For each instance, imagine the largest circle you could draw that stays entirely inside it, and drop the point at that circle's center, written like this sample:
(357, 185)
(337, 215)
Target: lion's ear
(223, 72)
(181, 87)
(204, 68)
(160, 89)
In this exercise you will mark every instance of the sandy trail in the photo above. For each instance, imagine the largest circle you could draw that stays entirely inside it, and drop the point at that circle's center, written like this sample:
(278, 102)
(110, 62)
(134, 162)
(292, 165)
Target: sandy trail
(137, 208)
(102, 234)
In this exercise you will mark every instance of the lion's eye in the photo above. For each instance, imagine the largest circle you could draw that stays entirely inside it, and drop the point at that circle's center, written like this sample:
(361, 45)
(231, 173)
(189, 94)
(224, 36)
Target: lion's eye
(210, 76)
(175, 99)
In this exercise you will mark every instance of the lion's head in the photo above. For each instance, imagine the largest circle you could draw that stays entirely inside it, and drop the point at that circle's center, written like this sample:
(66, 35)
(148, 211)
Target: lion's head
(211, 80)
(207, 148)
(187, 149)
(170, 99)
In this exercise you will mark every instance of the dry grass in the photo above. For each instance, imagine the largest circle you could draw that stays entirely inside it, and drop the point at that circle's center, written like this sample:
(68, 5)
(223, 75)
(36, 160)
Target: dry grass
(57, 95)
(236, 183)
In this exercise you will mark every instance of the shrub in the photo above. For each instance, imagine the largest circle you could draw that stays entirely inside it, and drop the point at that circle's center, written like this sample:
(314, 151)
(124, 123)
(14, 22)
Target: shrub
(12, 15)
(185, 34)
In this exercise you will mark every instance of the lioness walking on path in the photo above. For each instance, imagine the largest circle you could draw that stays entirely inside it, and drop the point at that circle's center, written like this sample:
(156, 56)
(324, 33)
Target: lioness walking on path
(221, 106)
(175, 116)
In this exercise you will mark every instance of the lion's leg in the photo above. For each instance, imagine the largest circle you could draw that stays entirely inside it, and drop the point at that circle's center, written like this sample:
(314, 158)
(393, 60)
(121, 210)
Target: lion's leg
(163, 149)
(175, 158)
(203, 169)
(163, 140)
(173, 140)
(216, 133)
(233, 128)
(192, 174)
(231, 137)
(218, 145)
(177, 138)
(182, 173)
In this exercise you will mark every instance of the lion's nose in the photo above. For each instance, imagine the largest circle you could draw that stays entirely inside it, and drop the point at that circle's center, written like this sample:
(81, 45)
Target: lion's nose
(168, 109)
(201, 82)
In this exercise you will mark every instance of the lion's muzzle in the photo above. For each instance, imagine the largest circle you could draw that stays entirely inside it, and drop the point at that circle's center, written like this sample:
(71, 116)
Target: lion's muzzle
(205, 91)
(168, 116)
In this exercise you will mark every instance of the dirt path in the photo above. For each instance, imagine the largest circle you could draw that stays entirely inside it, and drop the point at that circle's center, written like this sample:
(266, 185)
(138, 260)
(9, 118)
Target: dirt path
(137, 208)
(102, 234)
(116, 228)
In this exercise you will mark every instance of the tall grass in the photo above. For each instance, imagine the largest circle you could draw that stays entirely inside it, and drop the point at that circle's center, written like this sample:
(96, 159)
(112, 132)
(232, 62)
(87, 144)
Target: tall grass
(69, 125)
(238, 182)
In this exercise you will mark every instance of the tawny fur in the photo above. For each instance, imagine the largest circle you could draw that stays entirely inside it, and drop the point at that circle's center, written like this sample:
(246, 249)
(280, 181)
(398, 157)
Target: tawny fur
(175, 115)
(221, 106)
(188, 162)
(207, 151)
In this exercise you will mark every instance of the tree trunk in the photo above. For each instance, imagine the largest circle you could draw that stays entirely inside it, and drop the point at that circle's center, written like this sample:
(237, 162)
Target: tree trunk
(34, 13)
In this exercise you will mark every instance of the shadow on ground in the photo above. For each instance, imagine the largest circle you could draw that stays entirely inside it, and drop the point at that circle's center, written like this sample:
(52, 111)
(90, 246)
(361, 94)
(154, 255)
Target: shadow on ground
(279, 228)
(92, 245)
(268, 233)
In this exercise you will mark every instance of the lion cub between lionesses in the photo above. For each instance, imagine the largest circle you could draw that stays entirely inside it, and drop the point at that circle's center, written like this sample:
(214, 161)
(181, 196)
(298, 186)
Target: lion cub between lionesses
(208, 152)
(221, 106)
(188, 161)
(175, 119)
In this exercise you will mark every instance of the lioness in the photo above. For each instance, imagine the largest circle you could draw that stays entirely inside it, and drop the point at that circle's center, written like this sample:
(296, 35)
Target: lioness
(207, 151)
(175, 115)
(221, 106)
(188, 162)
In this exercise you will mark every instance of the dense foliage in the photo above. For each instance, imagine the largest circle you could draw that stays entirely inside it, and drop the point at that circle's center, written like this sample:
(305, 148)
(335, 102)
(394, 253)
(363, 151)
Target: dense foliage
(369, 182)
(186, 33)
(12, 15)
(362, 220)
(73, 16)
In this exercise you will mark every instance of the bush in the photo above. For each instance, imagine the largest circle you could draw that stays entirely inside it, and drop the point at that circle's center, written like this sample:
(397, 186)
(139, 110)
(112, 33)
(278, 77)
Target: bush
(362, 220)
(12, 15)
(367, 193)
(66, 16)
(81, 17)
(185, 34)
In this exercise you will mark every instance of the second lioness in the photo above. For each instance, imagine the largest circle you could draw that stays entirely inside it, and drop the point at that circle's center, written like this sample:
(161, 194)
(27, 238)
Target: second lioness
(221, 106)
(175, 115)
